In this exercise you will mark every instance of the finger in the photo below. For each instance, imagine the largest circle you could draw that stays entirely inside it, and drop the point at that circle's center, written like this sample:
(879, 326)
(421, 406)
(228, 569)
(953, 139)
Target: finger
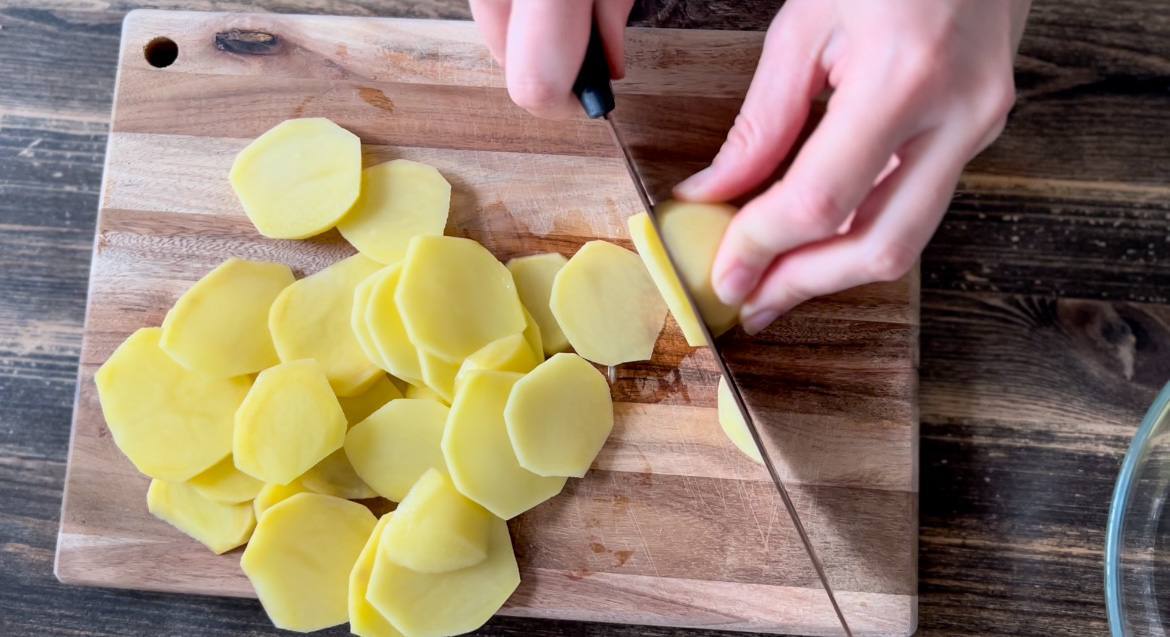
(546, 45)
(892, 227)
(611, 22)
(492, 18)
(787, 78)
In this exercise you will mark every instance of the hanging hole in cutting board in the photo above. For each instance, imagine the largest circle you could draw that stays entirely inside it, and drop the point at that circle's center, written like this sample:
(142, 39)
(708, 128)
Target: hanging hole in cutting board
(161, 52)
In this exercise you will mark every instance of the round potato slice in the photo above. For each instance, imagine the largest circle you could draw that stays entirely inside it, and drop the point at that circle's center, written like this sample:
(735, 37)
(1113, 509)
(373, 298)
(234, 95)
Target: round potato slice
(559, 416)
(311, 319)
(455, 297)
(272, 494)
(220, 526)
(532, 334)
(732, 423)
(299, 178)
(172, 423)
(300, 558)
(357, 318)
(694, 231)
(436, 529)
(509, 354)
(364, 619)
(335, 476)
(289, 422)
(534, 279)
(439, 375)
(606, 304)
(358, 408)
(440, 604)
(400, 199)
(397, 444)
(220, 325)
(387, 333)
(223, 482)
(422, 391)
(479, 454)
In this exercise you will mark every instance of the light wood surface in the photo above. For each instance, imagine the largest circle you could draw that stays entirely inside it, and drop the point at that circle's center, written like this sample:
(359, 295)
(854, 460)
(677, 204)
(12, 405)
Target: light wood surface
(673, 526)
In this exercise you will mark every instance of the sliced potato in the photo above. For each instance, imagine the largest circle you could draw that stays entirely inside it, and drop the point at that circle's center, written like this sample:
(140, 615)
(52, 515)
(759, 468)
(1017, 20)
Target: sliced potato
(300, 557)
(364, 619)
(559, 416)
(532, 334)
(387, 333)
(479, 455)
(358, 408)
(397, 444)
(172, 423)
(436, 529)
(400, 199)
(272, 494)
(289, 422)
(310, 319)
(509, 354)
(439, 375)
(607, 305)
(223, 482)
(220, 526)
(357, 318)
(694, 231)
(733, 424)
(299, 178)
(534, 279)
(455, 297)
(335, 476)
(422, 391)
(440, 604)
(220, 325)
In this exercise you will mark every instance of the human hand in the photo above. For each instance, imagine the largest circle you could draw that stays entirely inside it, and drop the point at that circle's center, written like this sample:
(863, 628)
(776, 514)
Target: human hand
(920, 87)
(541, 45)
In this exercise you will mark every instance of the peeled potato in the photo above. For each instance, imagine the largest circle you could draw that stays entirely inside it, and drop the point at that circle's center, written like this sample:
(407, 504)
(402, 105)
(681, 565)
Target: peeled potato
(606, 304)
(310, 319)
(335, 476)
(358, 408)
(417, 391)
(272, 494)
(455, 297)
(436, 529)
(364, 619)
(479, 454)
(170, 422)
(289, 422)
(223, 482)
(559, 416)
(300, 557)
(220, 526)
(439, 375)
(532, 334)
(440, 604)
(400, 199)
(387, 333)
(534, 279)
(220, 325)
(694, 231)
(509, 354)
(733, 424)
(397, 444)
(357, 318)
(299, 178)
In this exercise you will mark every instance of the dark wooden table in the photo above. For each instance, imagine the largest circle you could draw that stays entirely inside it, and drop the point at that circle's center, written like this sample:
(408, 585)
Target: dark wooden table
(1045, 315)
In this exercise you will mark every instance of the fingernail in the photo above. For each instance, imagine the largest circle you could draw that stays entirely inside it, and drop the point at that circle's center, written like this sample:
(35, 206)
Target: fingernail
(693, 186)
(755, 323)
(733, 287)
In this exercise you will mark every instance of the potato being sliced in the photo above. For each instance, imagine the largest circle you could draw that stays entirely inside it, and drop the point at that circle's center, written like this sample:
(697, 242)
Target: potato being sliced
(479, 455)
(732, 423)
(397, 444)
(299, 178)
(335, 476)
(559, 416)
(358, 408)
(455, 297)
(172, 423)
(300, 557)
(220, 325)
(440, 604)
(436, 529)
(422, 391)
(400, 199)
(694, 230)
(534, 279)
(509, 354)
(289, 422)
(310, 319)
(439, 375)
(220, 526)
(223, 482)
(387, 333)
(606, 304)
(364, 619)
(272, 494)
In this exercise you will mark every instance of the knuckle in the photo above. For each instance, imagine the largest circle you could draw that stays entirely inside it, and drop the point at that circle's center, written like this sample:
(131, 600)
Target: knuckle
(890, 262)
(815, 210)
(1000, 98)
(534, 95)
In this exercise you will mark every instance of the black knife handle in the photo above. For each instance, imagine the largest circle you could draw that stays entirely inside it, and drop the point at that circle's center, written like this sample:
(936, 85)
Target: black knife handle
(593, 88)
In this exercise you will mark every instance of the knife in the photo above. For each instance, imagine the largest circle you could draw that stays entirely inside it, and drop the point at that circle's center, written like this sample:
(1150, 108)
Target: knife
(595, 92)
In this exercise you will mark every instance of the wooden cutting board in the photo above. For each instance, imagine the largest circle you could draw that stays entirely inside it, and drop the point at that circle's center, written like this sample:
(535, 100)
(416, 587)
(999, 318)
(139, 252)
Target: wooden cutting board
(673, 526)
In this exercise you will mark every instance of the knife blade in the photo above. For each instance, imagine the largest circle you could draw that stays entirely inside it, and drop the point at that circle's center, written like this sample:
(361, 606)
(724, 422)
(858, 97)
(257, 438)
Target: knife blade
(594, 90)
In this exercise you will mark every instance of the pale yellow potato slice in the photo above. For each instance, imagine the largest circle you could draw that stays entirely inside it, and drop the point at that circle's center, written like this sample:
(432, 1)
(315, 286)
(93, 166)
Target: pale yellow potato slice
(272, 494)
(289, 422)
(422, 391)
(172, 423)
(358, 408)
(300, 557)
(559, 416)
(299, 178)
(436, 529)
(441, 604)
(532, 334)
(364, 619)
(220, 526)
(387, 333)
(455, 297)
(400, 199)
(733, 424)
(311, 319)
(694, 231)
(335, 476)
(223, 482)
(509, 354)
(439, 375)
(534, 279)
(479, 454)
(220, 325)
(397, 444)
(607, 305)
(357, 318)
